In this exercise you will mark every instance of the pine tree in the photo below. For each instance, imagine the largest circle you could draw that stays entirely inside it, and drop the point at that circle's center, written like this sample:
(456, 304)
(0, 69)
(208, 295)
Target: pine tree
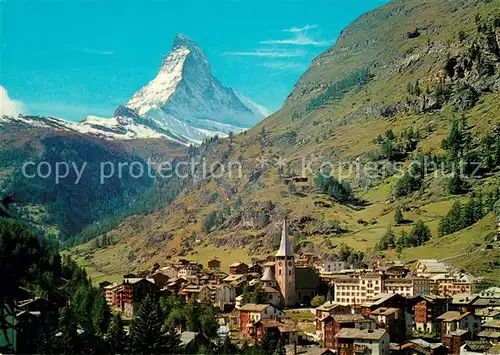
(67, 335)
(420, 234)
(116, 335)
(490, 202)
(226, 347)
(172, 341)
(101, 314)
(146, 335)
(208, 323)
(280, 348)
(329, 295)
(83, 300)
(456, 184)
(398, 216)
(468, 215)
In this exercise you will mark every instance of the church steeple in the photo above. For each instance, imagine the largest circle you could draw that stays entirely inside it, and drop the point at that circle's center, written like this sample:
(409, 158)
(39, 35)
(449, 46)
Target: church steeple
(285, 269)
(285, 246)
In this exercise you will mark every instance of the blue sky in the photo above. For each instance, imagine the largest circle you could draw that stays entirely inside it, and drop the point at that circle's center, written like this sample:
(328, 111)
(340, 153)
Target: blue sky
(70, 58)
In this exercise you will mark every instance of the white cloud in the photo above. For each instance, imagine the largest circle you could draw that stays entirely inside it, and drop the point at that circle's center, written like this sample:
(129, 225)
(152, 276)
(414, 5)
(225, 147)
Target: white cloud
(299, 40)
(9, 107)
(300, 29)
(268, 53)
(96, 51)
(285, 65)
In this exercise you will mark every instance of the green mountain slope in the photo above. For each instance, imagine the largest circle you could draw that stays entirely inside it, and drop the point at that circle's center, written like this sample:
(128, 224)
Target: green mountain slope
(386, 94)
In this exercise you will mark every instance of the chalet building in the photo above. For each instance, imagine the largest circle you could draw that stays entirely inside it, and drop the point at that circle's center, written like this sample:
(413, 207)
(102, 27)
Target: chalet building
(362, 341)
(224, 293)
(238, 268)
(393, 321)
(456, 328)
(189, 269)
(463, 303)
(213, 264)
(275, 330)
(330, 309)
(426, 312)
(333, 324)
(272, 296)
(431, 267)
(492, 292)
(386, 301)
(127, 295)
(251, 313)
(199, 293)
(480, 303)
(407, 286)
(358, 289)
(255, 268)
(488, 313)
(333, 263)
(46, 311)
(160, 279)
(420, 346)
(490, 331)
(170, 271)
(478, 347)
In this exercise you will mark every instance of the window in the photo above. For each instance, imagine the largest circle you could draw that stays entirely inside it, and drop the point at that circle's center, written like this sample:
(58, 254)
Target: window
(279, 272)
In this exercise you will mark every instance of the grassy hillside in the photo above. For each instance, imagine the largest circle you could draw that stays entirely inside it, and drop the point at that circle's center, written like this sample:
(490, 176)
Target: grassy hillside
(412, 64)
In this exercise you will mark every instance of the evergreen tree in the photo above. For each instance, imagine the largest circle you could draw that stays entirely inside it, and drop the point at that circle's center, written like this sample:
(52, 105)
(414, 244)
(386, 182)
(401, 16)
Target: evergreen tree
(490, 202)
(101, 314)
(280, 348)
(456, 185)
(146, 335)
(226, 347)
(386, 241)
(329, 295)
(420, 234)
(398, 216)
(172, 341)
(453, 143)
(45, 339)
(116, 335)
(67, 335)
(83, 300)
(208, 323)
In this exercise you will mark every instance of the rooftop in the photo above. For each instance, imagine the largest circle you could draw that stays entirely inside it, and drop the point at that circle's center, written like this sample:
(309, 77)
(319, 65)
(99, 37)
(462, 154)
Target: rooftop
(452, 316)
(349, 318)
(493, 334)
(327, 306)
(494, 323)
(252, 307)
(459, 332)
(384, 311)
(367, 334)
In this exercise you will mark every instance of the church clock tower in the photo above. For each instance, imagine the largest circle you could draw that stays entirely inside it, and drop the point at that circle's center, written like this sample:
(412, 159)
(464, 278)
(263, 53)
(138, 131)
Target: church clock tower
(285, 269)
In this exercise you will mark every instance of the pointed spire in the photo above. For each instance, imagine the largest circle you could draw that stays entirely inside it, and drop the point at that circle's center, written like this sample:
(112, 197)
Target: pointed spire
(285, 246)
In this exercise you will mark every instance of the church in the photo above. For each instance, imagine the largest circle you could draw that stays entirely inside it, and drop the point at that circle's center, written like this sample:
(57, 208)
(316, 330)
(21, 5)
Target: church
(297, 285)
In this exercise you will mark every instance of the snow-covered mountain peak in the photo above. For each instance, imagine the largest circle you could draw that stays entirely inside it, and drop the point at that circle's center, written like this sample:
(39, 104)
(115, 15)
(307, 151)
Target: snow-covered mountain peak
(187, 100)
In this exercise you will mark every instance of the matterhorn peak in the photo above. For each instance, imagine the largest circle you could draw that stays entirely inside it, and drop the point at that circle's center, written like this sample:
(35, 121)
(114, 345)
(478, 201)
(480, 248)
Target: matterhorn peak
(185, 99)
(181, 40)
